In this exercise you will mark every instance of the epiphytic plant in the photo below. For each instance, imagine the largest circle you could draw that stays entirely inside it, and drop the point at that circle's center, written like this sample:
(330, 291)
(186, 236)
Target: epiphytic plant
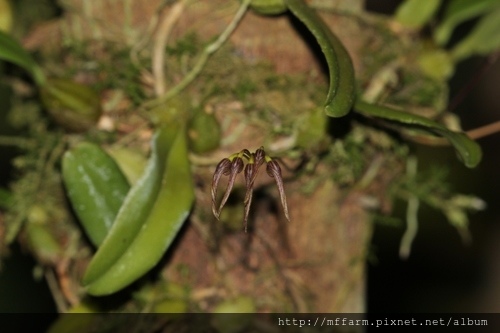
(233, 165)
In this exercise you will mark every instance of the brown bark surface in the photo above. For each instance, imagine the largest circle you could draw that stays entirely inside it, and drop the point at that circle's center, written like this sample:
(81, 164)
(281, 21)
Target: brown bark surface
(315, 262)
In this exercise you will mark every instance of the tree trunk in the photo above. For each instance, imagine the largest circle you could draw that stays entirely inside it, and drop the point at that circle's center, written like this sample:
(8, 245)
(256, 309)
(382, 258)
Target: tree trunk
(315, 262)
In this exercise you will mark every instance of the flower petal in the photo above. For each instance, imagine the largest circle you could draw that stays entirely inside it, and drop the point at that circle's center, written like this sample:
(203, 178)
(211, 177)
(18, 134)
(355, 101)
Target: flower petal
(274, 170)
(235, 168)
(223, 167)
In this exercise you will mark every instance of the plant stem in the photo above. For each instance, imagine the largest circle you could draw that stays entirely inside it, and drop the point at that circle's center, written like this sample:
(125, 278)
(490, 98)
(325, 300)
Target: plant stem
(205, 55)
(164, 29)
(473, 134)
(16, 142)
(411, 213)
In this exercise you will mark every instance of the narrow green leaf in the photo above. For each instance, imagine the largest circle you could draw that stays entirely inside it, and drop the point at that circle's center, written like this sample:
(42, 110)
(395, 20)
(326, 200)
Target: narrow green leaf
(12, 51)
(341, 92)
(482, 40)
(416, 13)
(468, 151)
(459, 11)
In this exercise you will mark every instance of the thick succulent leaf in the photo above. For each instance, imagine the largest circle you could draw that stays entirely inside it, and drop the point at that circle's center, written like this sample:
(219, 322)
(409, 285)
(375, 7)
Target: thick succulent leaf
(135, 208)
(482, 40)
(416, 13)
(341, 92)
(12, 51)
(468, 151)
(459, 11)
(149, 219)
(96, 188)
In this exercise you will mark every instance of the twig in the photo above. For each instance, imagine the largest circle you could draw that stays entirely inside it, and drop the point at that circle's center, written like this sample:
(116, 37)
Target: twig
(205, 55)
(55, 291)
(485, 130)
(65, 282)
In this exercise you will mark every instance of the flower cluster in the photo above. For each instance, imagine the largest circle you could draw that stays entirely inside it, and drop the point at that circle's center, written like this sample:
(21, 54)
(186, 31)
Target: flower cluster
(233, 165)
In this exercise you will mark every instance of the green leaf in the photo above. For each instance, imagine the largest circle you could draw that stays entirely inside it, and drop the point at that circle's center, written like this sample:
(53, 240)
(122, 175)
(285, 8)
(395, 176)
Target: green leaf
(341, 92)
(130, 161)
(6, 15)
(96, 188)
(414, 14)
(268, 7)
(468, 151)
(12, 51)
(149, 219)
(482, 40)
(459, 11)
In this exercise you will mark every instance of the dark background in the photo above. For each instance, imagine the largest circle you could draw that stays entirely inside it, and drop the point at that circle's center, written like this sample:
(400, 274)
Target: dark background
(443, 274)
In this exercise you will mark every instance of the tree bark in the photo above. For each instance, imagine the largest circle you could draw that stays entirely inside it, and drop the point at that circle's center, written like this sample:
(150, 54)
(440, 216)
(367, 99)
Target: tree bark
(315, 262)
